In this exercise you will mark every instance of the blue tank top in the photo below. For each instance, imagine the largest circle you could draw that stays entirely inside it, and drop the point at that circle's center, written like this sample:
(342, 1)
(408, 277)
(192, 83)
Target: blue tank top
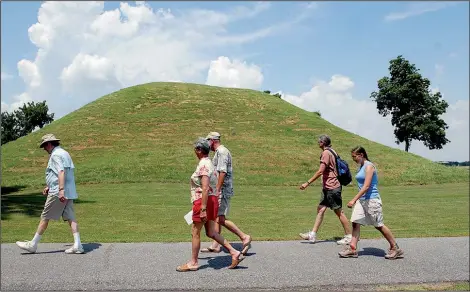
(372, 192)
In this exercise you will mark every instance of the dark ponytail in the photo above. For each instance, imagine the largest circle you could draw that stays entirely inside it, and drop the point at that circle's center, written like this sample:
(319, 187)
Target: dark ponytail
(360, 150)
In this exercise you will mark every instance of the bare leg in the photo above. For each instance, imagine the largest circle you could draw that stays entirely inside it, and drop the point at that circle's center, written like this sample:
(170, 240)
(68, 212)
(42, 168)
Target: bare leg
(210, 232)
(42, 226)
(355, 235)
(351, 250)
(76, 235)
(388, 235)
(319, 219)
(73, 225)
(31, 246)
(196, 243)
(344, 221)
(232, 228)
(218, 229)
(192, 265)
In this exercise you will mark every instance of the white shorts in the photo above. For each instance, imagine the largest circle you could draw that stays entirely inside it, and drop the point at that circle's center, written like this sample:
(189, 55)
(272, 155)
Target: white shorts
(368, 212)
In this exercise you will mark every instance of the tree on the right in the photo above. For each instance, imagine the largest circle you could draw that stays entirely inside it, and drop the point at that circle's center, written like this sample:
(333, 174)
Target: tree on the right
(415, 109)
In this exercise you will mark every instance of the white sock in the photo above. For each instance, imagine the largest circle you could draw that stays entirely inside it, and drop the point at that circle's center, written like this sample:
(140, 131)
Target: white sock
(348, 235)
(36, 239)
(313, 234)
(76, 237)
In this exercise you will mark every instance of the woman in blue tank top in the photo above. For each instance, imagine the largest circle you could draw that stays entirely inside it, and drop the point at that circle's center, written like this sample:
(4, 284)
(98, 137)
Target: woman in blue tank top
(368, 207)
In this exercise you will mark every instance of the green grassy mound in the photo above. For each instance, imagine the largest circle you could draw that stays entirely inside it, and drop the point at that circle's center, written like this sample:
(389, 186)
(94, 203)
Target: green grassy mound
(145, 133)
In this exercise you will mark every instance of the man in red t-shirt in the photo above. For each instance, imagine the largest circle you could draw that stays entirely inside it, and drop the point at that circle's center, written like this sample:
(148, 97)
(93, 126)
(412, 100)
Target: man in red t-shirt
(331, 192)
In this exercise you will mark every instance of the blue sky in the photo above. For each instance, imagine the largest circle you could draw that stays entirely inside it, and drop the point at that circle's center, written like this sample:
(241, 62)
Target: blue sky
(292, 47)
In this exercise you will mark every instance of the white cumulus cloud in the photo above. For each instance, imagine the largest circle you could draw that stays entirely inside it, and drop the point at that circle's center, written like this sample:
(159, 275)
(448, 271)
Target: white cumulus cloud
(86, 68)
(237, 74)
(335, 102)
(84, 51)
(19, 100)
(29, 72)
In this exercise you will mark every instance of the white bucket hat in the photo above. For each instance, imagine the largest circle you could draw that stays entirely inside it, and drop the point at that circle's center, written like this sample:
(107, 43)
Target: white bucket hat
(47, 138)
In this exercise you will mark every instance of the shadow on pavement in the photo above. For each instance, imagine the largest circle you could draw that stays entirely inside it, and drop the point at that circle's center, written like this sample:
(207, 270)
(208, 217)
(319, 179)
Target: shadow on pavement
(372, 251)
(88, 247)
(219, 261)
(236, 245)
(44, 252)
(222, 262)
(334, 239)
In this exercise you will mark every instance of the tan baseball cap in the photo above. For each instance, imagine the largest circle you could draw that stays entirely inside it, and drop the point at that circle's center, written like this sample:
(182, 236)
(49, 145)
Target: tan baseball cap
(213, 136)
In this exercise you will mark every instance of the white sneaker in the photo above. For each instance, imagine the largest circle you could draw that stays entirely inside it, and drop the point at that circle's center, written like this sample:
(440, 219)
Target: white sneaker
(27, 245)
(308, 236)
(346, 240)
(74, 249)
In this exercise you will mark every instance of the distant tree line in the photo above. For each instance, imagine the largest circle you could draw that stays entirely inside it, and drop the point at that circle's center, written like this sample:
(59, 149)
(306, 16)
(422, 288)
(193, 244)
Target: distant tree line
(24, 120)
(455, 163)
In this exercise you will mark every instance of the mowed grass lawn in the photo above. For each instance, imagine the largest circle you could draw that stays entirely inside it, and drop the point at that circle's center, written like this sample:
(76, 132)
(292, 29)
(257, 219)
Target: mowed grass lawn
(153, 212)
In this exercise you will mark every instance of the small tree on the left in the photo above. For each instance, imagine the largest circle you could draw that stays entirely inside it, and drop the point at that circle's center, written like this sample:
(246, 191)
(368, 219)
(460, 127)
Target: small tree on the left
(24, 120)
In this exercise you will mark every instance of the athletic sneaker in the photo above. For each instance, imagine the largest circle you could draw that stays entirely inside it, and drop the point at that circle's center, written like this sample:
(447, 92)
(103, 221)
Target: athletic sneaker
(74, 249)
(27, 245)
(346, 240)
(308, 236)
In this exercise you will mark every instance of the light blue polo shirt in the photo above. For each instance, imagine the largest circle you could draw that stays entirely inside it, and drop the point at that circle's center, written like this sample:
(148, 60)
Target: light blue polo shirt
(61, 160)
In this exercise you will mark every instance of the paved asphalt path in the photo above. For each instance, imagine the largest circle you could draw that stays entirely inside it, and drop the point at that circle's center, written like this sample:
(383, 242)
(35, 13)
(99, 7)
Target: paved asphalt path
(268, 265)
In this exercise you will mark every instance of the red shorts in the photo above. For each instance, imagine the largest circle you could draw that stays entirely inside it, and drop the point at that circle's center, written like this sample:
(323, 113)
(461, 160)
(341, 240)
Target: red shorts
(211, 209)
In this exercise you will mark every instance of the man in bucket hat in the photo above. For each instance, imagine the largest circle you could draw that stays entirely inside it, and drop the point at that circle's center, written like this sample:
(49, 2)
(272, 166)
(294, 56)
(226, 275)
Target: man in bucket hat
(60, 192)
(222, 161)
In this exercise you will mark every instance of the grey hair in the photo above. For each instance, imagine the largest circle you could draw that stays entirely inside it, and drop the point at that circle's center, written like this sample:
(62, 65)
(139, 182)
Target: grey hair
(203, 145)
(325, 139)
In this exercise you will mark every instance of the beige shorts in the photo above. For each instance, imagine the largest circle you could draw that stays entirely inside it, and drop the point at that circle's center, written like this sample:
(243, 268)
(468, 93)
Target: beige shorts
(224, 206)
(54, 209)
(368, 212)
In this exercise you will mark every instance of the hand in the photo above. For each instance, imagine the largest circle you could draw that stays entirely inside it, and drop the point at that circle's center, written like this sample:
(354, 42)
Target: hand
(304, 186)
(203, 216)
(351, 203)
(45, 192)
(62, 196)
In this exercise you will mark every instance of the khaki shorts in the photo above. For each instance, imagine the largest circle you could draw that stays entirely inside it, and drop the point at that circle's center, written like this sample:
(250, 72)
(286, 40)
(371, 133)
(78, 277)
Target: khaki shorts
(224, 206)
(368, 212)
(54, 209)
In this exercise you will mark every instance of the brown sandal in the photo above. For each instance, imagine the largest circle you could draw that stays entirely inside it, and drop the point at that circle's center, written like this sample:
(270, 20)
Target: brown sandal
(246, 247)
(236, 262)
(186, 268)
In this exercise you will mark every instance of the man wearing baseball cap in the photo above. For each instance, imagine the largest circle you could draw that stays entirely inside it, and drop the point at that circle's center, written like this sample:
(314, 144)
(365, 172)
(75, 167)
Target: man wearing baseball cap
(60, 192)
(222, 161)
